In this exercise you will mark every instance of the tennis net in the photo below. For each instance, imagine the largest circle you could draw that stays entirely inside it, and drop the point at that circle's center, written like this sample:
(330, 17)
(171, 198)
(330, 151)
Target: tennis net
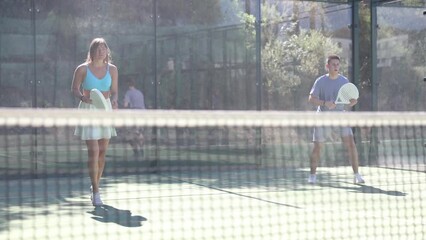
(213, 175)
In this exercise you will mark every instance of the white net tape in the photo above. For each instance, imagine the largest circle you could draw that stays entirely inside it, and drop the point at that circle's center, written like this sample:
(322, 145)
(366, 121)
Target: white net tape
(185, 118)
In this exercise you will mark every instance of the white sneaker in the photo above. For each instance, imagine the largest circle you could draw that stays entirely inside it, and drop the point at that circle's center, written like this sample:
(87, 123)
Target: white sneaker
(358, 179)
(91, 189)
(96, 199)
(312, 179)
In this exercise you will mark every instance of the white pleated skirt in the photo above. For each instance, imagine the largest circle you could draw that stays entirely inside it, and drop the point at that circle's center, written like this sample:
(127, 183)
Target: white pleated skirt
(94, 132)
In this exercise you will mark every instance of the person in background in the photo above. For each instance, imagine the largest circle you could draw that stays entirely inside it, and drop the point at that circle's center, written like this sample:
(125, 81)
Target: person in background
(134, 99)
(96, 72)
(323, 95)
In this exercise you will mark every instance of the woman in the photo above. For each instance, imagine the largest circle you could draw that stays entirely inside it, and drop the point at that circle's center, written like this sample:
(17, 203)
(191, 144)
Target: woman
(97, 72)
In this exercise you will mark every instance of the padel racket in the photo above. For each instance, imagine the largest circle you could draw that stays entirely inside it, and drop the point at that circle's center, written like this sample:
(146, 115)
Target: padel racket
(347, 92)
(98, 99)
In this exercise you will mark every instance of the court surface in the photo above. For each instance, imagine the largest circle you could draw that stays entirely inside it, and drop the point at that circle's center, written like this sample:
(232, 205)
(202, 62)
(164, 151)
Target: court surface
(263, 203)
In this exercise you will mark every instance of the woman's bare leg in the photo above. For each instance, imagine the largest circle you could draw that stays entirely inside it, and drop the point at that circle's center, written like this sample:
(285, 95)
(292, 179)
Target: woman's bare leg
(103, 146)
(93, 163)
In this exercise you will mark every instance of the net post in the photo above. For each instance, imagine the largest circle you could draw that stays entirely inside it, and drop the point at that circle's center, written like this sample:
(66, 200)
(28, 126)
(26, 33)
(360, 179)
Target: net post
(259, 83)
(154, 162)
(373, 150)
(355, 29)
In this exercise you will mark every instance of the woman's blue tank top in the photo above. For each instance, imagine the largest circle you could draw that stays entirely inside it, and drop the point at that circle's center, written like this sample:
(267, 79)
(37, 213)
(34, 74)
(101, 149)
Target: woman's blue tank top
(91, 81)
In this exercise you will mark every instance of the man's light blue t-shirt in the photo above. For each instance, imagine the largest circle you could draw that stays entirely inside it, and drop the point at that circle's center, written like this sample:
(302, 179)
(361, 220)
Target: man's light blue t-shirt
(326, 89)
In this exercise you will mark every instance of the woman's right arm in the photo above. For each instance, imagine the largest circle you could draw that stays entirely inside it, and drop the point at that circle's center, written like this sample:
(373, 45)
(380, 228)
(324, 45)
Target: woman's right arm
(76, 84)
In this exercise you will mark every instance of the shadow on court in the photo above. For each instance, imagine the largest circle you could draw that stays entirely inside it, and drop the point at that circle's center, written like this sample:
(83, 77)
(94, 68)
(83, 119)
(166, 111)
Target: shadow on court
(374, 190)
(110, 214)
(366, 189)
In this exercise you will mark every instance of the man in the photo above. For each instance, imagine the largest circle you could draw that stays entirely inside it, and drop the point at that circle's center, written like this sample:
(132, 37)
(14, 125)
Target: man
(134, 99)
(323, 95)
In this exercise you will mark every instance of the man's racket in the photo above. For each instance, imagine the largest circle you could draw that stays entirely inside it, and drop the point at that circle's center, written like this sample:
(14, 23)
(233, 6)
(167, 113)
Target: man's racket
(347, 92)
(98, 99)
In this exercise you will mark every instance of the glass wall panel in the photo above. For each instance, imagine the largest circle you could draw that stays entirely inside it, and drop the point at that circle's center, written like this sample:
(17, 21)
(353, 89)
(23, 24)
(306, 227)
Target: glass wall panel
(16, 54)
(296, 39)
(203, 59)
(41, 44)
(401, 58)
(63, 31)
